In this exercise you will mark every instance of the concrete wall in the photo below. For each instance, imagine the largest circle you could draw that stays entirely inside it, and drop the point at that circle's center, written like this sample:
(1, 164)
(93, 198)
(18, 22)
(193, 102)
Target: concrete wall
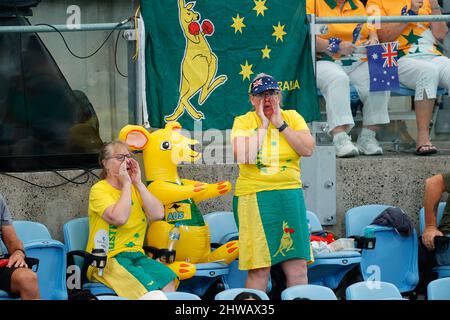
(394, 180)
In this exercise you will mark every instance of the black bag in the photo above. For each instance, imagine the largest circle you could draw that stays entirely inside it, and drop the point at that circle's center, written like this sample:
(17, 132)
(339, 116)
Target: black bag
(80, 294)
(442, 248)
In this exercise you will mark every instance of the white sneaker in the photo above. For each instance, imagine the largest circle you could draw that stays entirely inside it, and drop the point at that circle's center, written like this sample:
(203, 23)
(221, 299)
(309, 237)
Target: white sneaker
(368, 144)
(344, 146)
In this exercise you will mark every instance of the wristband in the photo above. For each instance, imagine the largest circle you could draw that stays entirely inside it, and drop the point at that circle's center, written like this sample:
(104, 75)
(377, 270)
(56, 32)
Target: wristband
(283, 126)
(22, 251)
(333, 45)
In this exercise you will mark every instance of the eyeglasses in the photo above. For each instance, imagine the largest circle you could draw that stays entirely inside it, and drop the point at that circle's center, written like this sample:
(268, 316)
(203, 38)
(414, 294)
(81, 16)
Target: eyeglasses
(121, 157)
(268, 93)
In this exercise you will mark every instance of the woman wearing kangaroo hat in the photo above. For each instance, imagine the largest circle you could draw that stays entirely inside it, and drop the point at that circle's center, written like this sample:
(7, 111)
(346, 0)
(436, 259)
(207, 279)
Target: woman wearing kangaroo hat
(268, 204)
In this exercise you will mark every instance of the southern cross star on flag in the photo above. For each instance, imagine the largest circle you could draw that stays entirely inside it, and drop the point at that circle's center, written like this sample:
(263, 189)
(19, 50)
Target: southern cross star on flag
(383, 66)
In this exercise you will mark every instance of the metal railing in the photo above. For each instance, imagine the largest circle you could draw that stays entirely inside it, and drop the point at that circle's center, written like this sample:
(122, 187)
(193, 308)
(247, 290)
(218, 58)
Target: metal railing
(133, 107)
(314, 20)
(68, 28)
(382, 19)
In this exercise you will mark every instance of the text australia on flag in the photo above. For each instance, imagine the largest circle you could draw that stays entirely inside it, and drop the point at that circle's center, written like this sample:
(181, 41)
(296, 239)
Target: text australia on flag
(383, 66)
(201, 56)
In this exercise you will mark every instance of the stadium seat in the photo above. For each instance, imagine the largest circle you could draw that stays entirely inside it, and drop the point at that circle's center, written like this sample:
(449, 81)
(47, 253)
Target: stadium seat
(373, 290)
(178, 295)
(76, 233)
(442, 271)
(222, 227)
(308, 291)
(51, 254)
(394, 258)
(439, 289)
(330, 268)
(230, 294)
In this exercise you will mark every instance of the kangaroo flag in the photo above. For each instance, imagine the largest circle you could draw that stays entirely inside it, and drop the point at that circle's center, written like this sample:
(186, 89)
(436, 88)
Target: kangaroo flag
(200, 57)
(383, 66)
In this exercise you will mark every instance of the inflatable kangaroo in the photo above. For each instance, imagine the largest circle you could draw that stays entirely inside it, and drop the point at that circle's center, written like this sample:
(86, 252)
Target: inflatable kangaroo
(163, 150)
(199, 65)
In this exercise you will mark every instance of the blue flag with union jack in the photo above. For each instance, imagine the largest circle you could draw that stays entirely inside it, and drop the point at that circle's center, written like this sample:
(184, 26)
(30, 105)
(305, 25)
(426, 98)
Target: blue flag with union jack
(383, 66)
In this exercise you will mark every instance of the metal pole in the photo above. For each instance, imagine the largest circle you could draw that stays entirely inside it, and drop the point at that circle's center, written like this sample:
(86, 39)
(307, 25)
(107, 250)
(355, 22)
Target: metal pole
(67, 28)
(383, 19)
(312, 27)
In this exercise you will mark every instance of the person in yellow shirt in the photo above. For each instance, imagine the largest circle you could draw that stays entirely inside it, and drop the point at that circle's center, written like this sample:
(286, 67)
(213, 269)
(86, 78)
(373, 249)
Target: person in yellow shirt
(421, 66)
(342, 61)
(268, 204)
(120, 207)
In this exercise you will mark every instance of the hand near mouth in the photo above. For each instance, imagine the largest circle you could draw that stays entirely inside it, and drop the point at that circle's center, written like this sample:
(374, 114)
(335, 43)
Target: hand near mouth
(123, 174)
(276, 118)
(261, 115)
(135, 171)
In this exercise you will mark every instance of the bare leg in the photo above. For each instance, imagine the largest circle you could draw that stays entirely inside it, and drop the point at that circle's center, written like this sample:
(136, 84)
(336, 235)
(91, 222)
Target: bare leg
(257, 279)
(25, 282)
(339, 129)
(170, 287)
(296, 272)
(372, 127)
(424, 112)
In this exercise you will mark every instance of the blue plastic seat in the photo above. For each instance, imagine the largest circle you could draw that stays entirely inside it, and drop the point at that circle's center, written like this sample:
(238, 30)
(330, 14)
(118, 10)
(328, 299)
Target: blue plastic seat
(51, 254)
(394, 258)
(442, 271)
(178, 295)
(222, 229)
(76, 234)
(308, 291)
(373, 290)
(439, 289)
(230, 294)
(330, 268)
(402, 91)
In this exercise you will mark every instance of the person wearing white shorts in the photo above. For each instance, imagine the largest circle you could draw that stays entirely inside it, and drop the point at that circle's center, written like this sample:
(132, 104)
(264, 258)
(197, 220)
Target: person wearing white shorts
(342, 61)
(422, 66)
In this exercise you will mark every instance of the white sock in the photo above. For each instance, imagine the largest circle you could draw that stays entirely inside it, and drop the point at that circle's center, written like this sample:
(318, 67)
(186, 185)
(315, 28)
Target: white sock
(340, 134)
(368, 132)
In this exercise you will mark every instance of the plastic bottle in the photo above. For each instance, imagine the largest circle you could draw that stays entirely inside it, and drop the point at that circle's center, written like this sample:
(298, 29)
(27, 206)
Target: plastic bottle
(174, 236)
(101, 264)
(369, 234)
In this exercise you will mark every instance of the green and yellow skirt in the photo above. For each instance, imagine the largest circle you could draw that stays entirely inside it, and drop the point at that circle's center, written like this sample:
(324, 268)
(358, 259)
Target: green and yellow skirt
(273, 228)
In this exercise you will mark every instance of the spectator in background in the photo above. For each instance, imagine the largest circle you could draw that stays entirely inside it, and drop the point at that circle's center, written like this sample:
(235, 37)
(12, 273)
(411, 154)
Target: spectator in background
(15, 276)
(422, 66)
(435, 187)
(342, 62)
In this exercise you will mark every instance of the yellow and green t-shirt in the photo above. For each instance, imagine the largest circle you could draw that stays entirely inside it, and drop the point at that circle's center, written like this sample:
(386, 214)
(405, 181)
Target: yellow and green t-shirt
(102, 235)
(351, 8)
(416, 40)
(277, 165)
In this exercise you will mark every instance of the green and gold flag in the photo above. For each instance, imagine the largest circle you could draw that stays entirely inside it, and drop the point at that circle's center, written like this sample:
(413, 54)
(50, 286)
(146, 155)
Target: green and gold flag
(202, 55)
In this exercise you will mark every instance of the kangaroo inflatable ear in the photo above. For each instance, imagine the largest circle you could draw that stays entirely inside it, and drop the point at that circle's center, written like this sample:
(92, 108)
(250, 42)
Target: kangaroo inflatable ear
(173, 125)
(136, 137)
(189, 5)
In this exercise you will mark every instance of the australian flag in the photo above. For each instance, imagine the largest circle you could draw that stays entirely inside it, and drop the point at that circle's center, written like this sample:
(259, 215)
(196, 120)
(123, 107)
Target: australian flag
(383, 66)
